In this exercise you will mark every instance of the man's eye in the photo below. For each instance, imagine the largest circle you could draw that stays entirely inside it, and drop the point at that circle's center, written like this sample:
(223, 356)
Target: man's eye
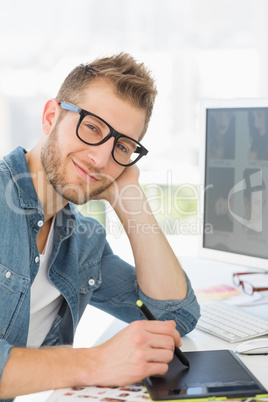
(122, 147)
(91, 127)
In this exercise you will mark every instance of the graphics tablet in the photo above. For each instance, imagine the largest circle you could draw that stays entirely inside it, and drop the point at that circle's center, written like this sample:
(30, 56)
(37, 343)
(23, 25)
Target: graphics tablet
(212, 374)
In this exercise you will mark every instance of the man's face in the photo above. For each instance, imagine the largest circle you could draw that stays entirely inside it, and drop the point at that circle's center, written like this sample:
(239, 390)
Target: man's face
(77, 171)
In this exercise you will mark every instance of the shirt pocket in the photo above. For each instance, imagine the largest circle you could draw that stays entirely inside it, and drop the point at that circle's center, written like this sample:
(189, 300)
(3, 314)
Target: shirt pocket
(90, 277)
(13, 288)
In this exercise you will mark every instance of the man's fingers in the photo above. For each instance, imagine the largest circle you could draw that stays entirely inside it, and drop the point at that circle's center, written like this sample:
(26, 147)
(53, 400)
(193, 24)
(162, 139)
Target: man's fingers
(163, 327)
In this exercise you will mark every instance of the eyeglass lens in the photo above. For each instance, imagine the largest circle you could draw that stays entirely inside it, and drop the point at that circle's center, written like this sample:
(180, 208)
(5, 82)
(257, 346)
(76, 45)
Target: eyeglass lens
(93, 130)
(236, 280)
(246, 286)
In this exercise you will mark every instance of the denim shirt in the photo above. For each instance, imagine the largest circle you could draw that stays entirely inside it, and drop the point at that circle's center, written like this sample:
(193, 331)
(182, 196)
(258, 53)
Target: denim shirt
(82, 266)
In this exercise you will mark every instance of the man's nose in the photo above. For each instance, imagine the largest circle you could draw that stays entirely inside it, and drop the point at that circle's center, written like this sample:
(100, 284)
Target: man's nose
(100, 155)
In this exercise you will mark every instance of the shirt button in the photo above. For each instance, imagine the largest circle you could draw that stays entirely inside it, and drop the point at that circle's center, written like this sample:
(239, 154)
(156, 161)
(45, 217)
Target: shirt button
(40, 223)
(91, 282)
(36, 259)
(8, 274)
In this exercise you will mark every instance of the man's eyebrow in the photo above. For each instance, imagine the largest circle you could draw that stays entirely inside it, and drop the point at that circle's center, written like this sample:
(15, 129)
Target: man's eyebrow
(97, 118)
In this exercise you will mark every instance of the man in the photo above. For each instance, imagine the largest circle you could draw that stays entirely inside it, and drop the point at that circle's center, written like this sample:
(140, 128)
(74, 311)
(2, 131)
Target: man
(55, 261)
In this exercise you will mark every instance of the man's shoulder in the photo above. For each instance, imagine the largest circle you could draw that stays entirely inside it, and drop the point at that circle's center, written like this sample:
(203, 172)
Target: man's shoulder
(14, 162)
(3, 167)
(5, 173)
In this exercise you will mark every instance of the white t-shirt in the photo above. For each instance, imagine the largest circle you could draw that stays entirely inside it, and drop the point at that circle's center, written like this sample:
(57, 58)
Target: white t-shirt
(45, 299)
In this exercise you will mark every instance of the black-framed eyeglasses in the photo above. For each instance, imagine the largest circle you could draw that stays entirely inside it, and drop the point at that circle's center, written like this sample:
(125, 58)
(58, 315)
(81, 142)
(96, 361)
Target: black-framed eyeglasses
(93, 130)
(247, 287)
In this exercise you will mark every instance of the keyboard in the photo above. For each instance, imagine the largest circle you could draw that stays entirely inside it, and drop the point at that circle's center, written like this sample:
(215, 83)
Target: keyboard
(230, 323)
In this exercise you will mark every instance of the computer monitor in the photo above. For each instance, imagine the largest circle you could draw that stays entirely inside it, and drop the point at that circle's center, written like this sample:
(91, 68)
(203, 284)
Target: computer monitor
(234, 164)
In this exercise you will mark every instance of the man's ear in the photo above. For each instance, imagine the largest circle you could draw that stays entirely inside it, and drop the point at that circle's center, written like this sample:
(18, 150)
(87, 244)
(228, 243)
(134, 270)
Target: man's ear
(50, 114)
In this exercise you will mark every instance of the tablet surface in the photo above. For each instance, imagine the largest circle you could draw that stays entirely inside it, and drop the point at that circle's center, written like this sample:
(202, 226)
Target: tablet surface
(212, 374)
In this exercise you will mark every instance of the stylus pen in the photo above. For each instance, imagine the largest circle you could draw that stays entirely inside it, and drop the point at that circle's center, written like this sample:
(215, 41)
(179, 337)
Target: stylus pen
(147, 313)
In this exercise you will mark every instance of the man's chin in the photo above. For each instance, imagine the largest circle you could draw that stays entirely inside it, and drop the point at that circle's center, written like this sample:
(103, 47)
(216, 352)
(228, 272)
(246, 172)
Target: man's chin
(79, 198)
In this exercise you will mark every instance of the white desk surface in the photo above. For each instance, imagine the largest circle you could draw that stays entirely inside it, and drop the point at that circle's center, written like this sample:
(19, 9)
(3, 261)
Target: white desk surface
(203, 274)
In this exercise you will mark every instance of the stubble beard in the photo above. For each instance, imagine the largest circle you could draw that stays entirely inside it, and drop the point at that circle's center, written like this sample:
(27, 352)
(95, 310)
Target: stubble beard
(54, 167)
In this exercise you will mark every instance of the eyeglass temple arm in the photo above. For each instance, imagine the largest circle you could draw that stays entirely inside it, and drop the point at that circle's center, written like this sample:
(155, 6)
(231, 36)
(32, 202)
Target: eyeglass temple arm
(259, 289)
(69, 106)
(141, 150)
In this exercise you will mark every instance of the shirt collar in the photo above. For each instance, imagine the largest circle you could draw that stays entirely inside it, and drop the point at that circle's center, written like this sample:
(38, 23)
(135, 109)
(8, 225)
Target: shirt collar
(17, 164)
(21, 176)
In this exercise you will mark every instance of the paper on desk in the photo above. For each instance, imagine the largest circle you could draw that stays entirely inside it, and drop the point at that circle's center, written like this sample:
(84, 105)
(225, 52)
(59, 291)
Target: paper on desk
(135, 392)
(257, 299)
(219, 292)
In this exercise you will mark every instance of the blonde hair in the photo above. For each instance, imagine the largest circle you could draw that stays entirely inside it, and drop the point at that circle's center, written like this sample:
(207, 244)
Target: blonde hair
(131, 81)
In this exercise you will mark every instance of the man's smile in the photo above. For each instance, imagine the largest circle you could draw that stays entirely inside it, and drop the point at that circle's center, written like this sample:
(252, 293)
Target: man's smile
(84, 173)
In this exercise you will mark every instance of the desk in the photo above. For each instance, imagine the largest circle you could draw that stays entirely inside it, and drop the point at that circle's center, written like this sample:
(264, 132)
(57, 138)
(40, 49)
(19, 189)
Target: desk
(214, 273)
(202, 273)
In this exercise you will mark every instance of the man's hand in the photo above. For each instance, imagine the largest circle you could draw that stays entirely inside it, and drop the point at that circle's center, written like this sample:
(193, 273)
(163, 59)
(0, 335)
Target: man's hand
(142, 349)
(129, 177)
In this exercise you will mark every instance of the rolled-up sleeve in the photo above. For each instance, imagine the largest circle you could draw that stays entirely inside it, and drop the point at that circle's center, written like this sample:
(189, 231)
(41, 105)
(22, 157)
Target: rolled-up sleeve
(184, 312)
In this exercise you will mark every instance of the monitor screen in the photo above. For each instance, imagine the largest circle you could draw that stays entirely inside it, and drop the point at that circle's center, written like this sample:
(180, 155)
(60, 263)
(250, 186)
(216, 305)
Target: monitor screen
(235, 185)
